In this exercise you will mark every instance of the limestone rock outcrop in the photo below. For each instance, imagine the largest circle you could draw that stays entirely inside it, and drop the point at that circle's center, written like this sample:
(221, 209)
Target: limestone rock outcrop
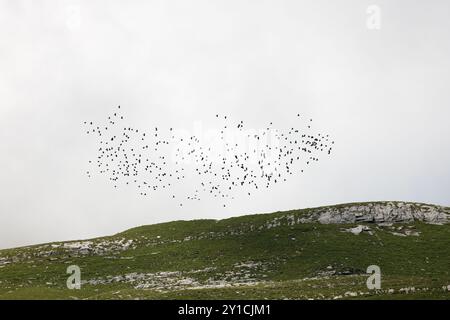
(380, 212)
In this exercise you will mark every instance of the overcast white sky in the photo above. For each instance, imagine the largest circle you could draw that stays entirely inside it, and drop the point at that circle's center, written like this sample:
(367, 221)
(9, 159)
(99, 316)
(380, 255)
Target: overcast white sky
(382, 94)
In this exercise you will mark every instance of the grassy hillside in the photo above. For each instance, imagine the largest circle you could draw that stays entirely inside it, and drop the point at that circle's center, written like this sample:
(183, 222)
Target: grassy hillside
(266, 256)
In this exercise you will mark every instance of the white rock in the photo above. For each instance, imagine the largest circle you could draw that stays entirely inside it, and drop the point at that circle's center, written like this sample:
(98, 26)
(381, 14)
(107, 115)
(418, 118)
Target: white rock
(358, 229)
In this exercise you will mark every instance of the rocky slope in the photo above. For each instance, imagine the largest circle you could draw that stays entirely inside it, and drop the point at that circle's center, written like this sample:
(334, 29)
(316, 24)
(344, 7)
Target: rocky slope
(319, 253)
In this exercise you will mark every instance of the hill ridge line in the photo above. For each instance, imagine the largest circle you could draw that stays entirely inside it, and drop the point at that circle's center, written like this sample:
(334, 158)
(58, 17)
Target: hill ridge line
(378, 212)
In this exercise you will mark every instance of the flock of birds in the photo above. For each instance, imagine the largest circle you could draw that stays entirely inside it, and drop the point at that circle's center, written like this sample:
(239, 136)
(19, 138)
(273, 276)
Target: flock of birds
(235, 161)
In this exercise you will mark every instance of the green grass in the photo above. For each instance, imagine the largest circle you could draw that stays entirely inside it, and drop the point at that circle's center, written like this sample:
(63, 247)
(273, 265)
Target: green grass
(283, 262)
